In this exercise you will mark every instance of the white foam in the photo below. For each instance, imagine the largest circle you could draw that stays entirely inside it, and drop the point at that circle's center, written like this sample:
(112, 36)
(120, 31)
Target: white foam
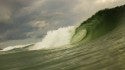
(55, 38)
(14, 47)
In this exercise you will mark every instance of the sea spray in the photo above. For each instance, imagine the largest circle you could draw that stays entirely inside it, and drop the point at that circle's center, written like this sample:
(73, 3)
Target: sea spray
(14, 47)
(55, 38)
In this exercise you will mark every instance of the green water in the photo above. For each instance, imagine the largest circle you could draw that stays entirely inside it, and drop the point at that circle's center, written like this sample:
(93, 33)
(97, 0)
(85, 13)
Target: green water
(104, 50)
(101, 23)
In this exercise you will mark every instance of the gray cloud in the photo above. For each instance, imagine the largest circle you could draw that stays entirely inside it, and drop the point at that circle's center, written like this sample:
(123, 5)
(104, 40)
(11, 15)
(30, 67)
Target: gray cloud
(24, 19)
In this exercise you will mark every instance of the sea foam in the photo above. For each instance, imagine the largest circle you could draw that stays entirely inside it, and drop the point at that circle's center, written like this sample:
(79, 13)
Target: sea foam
(55, 39)
(14, 47)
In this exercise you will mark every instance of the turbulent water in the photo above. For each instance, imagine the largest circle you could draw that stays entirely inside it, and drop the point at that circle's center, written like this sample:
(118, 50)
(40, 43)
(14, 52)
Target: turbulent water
(97, 44)
(54, 39)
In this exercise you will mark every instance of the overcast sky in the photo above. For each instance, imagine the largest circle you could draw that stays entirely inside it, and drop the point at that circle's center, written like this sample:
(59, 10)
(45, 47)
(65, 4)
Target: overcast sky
(31, 19)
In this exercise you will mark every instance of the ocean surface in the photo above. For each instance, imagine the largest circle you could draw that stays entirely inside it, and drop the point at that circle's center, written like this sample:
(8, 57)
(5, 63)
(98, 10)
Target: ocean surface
(97, 44)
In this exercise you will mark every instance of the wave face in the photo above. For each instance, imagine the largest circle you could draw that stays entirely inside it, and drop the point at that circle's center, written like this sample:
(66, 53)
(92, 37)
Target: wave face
(97, 44)
(101, 23)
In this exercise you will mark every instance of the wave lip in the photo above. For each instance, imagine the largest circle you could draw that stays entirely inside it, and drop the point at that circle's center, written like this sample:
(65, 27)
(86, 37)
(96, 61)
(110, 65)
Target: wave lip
(100, 24)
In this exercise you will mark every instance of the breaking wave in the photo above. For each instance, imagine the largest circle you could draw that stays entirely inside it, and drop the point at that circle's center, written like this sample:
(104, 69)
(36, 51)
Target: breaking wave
(54, 39)
(14, 47)
(96, 26)
(97, 44)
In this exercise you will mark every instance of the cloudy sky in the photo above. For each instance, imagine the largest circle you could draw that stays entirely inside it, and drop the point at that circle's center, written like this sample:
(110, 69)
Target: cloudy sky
(31, 19)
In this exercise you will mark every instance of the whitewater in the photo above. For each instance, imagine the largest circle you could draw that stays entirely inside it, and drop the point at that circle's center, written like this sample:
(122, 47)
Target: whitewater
(96, 44)
(14, 47)
(54, 39)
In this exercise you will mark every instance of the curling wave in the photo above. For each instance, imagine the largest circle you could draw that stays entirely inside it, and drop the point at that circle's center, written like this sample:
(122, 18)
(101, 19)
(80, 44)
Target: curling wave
(98, 44)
